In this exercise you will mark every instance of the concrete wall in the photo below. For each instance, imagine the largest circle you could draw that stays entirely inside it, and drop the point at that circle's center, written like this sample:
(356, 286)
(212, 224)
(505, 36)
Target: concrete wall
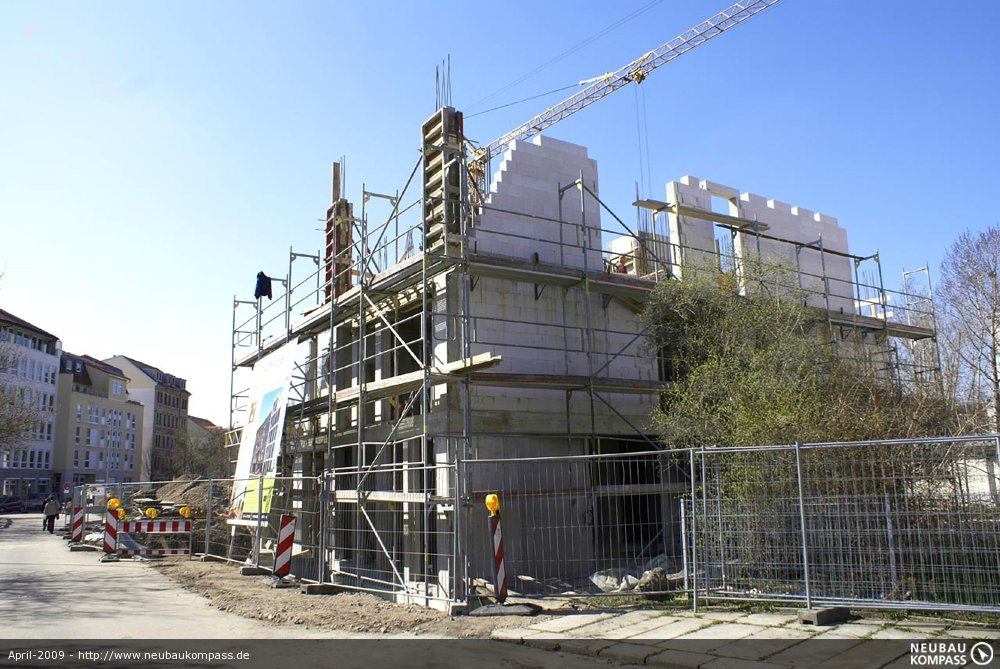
(544, 330)
(696, 237)
(528, 181)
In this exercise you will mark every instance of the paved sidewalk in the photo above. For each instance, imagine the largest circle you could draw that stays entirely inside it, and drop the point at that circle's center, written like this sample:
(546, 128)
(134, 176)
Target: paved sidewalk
(52, 593)
(716, 639)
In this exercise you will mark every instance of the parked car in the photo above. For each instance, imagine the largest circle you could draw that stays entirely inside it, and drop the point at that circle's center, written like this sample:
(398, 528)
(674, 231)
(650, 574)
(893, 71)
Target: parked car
(36, 503)
(12, 504)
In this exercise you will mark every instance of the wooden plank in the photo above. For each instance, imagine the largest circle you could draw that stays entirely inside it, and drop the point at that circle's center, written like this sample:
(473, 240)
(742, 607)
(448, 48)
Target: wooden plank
(397, 385)
(353, 497)
(564, 382)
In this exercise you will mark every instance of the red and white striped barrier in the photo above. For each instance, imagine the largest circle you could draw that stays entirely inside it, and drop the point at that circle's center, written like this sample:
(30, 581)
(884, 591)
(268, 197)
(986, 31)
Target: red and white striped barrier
(156, 526)
(111, 535)
(283, 555)
(499, 573)
(154, 551)
(170, 526)
(77, 524)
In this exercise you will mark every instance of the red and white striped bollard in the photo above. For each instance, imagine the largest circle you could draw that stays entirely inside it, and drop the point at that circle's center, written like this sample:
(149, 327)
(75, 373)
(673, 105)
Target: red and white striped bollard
(77, 524)
(111, 534)
(283, 554)
(496, 540)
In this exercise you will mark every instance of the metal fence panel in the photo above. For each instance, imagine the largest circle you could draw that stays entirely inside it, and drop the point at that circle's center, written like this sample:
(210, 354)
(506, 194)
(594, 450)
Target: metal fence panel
(900, 524)
(579, 526)
(393, 530)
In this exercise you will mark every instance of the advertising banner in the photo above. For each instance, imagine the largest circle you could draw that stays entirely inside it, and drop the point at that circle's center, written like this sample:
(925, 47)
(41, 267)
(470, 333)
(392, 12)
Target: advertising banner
(260, 444)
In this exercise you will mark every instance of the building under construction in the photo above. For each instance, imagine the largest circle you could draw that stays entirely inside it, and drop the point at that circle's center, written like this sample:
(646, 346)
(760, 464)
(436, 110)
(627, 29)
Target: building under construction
(444, 334)
(476, 319)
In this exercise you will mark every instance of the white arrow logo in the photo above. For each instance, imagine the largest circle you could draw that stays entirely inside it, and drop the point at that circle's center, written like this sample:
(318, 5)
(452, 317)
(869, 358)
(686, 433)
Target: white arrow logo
(982, 653)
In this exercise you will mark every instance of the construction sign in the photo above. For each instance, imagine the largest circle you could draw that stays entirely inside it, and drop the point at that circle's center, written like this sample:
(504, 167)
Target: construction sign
(257, 498)
(260, 444)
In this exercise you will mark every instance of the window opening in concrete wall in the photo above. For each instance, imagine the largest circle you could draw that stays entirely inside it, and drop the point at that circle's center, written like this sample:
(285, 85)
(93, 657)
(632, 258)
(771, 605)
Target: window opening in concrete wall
(723, 236)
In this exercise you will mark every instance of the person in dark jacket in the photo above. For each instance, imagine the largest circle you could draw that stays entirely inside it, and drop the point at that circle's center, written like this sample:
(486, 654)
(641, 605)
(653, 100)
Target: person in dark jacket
(51, 511)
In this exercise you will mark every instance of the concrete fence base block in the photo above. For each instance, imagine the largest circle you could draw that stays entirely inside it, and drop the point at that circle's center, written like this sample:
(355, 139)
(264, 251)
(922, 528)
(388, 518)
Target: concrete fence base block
(110, 557)
(82, 547)
(320, 589)
(506, 610)
(828, 616)
(278, 582)
(254, 571)
(212, 558)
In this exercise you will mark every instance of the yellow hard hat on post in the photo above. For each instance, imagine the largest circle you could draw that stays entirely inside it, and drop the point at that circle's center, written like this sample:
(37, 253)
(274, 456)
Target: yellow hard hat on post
(151, 513)
(185, 512)
(493, 503)
(113, 504)
(119, 513)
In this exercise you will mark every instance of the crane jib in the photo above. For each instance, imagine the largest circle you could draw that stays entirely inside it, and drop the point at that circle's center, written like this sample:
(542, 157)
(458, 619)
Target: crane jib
(636, 71)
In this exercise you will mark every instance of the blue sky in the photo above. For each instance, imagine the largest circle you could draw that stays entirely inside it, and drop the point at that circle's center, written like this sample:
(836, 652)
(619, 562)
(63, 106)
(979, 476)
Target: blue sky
(154, 157)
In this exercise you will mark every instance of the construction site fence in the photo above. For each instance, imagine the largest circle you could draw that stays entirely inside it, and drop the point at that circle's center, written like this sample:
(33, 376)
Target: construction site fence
(908, 524)
(580, 526)
(905, 524)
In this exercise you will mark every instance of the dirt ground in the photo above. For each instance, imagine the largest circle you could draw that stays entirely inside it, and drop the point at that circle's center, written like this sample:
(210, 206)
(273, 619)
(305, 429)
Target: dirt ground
(251, 597)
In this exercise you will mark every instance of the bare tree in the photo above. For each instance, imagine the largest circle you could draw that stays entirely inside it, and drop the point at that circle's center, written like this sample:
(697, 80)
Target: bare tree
(970, 300)
(18, 414)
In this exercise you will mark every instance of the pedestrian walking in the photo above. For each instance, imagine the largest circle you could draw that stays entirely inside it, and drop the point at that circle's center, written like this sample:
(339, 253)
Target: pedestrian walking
(51, 511)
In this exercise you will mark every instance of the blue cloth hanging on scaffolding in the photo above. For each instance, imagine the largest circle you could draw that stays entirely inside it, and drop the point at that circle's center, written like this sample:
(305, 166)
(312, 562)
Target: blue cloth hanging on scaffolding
(263, 286)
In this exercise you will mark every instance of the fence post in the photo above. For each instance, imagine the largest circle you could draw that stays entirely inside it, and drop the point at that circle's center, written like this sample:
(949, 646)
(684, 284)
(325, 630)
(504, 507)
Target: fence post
(802, 523)
(208, 518)
(993, 479)
(694, 538)
(321, 558)
(684, 543)
(260, 512)
(456, 529)
(893, 576)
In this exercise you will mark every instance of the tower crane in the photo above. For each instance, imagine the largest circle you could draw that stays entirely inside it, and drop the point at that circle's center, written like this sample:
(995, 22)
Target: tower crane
(602, 86)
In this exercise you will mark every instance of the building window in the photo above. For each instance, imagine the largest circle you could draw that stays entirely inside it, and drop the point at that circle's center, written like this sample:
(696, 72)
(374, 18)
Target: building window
(116, 387)
(76, 437)
(86, 459)
(47, 460)
(76, 458)
(79, 412)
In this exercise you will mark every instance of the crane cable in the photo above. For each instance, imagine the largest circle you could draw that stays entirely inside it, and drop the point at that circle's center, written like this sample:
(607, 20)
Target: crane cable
(517, 102)
(562, 56)
(644, 184)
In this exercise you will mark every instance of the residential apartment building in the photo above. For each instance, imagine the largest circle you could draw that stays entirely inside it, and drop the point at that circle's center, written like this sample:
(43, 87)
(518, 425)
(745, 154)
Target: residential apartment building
(98, 427)
(164, 399)
(31, 357)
